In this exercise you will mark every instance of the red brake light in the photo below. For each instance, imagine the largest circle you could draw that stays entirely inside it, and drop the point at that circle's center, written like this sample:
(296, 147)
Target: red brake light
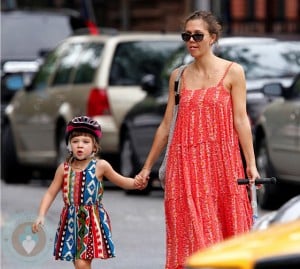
(97, 103)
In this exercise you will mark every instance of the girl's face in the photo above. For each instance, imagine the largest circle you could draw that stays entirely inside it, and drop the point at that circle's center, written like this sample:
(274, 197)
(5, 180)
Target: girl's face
(198, 48)
(82, 146)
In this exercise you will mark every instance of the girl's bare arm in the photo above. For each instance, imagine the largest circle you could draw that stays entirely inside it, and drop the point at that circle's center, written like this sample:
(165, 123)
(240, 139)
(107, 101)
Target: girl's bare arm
(104, 169)
(49, 197)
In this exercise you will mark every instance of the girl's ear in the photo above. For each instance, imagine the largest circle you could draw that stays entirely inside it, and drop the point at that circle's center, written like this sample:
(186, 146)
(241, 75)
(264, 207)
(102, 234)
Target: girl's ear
(95, 149)
(69, 147)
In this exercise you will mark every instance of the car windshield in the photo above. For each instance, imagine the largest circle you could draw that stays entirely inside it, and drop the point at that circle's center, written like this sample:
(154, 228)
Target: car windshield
(264, 60)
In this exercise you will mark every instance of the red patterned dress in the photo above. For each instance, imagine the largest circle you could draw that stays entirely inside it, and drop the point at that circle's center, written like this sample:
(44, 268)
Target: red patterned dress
(84, 228)
(203, 202)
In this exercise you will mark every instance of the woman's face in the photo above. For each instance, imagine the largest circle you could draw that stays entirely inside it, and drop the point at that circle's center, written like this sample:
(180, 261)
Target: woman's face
(198, 48)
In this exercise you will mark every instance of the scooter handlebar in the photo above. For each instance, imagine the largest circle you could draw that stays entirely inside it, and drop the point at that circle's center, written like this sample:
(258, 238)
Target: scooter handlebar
(271, 180)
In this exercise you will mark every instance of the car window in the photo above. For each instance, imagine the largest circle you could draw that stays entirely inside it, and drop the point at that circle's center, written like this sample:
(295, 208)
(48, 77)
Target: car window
(179, 57)
(88, 62)
(264, 60)
(67, 63)
(133, 60)
(40, 80)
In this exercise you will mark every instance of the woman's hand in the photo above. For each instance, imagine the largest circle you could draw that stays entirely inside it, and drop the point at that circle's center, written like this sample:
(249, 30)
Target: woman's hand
(139, 183)
(142, 179)
(145, 174)
(252, 175)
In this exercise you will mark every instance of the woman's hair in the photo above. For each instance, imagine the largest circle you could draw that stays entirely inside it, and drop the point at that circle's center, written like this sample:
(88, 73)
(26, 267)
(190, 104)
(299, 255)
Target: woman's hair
(213, 25)
(80, 133)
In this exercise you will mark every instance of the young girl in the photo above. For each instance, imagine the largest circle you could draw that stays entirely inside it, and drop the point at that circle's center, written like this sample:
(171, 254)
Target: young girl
(84, 228)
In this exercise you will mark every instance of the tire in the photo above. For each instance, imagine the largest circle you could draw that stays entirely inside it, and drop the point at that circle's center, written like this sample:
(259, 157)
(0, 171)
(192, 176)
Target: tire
(11, 169)
(268, 194)
(62, 151)
(129, 166)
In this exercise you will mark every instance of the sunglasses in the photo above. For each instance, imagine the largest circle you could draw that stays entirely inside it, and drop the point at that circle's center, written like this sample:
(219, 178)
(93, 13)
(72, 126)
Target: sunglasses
(197, 37)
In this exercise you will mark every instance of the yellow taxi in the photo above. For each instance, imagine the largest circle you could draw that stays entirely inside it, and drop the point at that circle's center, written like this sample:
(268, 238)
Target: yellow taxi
(277, 247)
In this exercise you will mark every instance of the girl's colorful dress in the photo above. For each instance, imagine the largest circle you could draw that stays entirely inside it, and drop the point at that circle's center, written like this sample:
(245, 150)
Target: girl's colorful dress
(84, 230)
(203, 202)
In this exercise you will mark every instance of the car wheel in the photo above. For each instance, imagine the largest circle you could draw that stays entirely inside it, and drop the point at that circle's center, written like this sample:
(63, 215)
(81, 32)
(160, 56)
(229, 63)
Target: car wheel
(129, 166)
(267, 194)
(126, 164)
(62, 151)
(11, 170)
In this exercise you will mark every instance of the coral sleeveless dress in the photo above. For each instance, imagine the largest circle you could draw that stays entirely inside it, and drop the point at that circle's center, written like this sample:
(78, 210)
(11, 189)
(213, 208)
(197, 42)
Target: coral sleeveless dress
(84, 227)
(203, 202)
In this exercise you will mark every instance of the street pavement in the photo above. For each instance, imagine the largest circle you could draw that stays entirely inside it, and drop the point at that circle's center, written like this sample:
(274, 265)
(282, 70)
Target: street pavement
(137, 228)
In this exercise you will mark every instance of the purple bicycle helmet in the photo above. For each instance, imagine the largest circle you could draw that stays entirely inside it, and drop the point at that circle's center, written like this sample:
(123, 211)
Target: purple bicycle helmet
(83, 124)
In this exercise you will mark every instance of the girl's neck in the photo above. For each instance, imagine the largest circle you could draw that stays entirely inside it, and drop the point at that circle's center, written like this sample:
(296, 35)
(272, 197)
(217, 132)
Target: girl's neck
(80, 164)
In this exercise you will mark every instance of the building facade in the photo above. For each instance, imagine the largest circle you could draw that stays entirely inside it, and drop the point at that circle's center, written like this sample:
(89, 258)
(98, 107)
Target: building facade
(246, 17)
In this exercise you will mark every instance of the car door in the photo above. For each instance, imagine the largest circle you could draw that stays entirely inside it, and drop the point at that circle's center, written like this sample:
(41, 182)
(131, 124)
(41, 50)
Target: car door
(285, 134)
(28, 119)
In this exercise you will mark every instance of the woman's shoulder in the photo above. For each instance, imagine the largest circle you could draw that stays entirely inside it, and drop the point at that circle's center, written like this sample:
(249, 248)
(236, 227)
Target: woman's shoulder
(231, 65)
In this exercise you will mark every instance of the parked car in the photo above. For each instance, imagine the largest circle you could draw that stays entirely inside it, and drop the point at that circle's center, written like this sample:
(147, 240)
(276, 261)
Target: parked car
(278, 143)
(289, 211)
(98, 76)
(26, 36)
(265, 60)
(14, 76)
(272, 248)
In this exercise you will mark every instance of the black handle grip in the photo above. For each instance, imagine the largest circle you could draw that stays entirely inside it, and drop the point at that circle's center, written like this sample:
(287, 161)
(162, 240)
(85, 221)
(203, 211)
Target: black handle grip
(271, 180)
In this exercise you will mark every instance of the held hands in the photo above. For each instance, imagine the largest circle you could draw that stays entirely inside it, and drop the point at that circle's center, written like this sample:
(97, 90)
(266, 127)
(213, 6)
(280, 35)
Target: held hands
(141, 180)
(40, 221)
(140, 183)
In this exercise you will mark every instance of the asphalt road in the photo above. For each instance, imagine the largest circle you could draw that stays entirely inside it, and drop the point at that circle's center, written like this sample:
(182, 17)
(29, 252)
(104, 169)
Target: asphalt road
(138, 229)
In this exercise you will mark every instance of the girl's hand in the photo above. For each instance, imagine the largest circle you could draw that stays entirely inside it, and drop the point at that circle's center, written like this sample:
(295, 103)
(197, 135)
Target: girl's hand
(140, 183)
(40, 221)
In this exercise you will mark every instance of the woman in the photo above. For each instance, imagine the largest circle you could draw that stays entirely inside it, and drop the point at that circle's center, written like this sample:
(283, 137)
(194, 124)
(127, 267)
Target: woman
(203, 203)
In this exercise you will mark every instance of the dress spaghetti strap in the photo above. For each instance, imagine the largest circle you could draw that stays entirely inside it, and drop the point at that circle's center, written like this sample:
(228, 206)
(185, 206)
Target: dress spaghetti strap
(225, 73)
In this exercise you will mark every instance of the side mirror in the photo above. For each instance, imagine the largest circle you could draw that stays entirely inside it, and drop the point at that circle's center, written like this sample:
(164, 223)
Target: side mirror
(273, 90)
(150, 84)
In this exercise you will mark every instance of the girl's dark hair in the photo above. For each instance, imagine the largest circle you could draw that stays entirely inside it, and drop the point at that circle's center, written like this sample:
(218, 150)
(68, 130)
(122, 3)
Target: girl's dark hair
(213, 25)
(95, 141)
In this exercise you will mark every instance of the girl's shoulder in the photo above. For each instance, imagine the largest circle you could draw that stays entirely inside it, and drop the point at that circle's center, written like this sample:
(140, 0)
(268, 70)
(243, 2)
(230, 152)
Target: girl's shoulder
(103, 167)
(103, 164)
